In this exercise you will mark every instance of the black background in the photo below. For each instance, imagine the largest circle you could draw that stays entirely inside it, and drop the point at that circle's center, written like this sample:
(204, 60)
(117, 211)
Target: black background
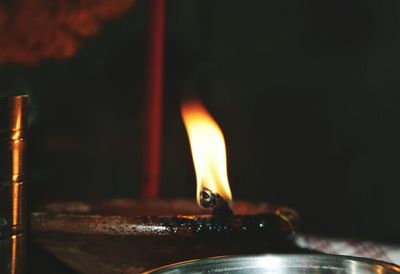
(306, 93)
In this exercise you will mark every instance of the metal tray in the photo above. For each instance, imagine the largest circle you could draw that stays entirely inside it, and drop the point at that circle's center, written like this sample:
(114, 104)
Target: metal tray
(280, 264)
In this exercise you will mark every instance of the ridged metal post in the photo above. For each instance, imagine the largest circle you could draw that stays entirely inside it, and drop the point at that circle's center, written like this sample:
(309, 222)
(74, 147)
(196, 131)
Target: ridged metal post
(13, 121)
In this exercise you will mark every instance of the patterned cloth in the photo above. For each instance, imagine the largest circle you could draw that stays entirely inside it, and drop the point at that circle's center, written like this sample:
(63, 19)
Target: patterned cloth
(365, 249)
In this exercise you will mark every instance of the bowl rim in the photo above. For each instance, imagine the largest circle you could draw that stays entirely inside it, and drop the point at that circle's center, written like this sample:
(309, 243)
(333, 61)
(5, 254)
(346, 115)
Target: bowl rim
(282, 261)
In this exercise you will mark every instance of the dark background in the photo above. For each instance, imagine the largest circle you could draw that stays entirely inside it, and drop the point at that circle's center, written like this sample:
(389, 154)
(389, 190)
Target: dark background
(306, 93)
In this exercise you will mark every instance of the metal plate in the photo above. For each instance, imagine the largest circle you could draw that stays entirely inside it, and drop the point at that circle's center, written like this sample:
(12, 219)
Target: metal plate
(281, 264)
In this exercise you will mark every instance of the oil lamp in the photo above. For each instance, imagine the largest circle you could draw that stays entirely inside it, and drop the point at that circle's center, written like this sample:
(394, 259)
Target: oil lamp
(130, 236)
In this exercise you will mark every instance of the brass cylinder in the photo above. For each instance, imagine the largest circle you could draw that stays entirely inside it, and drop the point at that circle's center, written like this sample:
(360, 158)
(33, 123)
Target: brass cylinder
(13, 123)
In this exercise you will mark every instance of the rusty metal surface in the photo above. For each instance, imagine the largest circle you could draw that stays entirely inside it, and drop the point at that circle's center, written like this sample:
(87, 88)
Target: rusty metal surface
(128, 236)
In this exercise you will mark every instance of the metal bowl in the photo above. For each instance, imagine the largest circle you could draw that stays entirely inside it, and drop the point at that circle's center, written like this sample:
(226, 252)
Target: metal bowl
(280, 264)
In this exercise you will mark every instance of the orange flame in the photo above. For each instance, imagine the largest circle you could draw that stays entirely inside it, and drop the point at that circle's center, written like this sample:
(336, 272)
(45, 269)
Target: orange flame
(208, 150)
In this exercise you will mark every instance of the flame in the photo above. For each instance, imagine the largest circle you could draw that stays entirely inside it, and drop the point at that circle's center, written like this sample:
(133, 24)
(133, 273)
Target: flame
(208, 150)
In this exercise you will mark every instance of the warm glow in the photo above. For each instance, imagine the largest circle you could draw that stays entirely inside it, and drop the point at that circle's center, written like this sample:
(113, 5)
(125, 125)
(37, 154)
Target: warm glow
(17, 147)
(208, 150)
(14, 242)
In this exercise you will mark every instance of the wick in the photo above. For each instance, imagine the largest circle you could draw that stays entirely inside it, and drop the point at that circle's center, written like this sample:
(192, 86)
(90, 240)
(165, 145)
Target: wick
(220, 207)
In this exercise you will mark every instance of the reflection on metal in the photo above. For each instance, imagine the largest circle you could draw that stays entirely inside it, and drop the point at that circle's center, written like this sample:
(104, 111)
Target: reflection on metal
(17, 214)
(280, 264)
(18, 110)
(12, 256)
(17, 154)
(13, 253)
(13, 118)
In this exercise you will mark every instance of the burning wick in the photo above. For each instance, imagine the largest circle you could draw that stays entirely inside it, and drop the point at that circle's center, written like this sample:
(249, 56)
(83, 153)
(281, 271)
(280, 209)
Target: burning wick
(209, 157)
(220, 207)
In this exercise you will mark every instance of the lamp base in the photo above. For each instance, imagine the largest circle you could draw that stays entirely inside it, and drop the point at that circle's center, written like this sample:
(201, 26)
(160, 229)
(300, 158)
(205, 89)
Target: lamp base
(130, 236)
